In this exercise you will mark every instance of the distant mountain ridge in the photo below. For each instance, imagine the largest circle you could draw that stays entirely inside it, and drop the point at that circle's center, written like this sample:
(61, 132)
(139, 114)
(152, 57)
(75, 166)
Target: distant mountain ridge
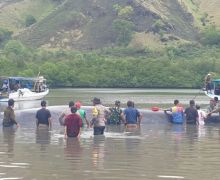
(88, 24)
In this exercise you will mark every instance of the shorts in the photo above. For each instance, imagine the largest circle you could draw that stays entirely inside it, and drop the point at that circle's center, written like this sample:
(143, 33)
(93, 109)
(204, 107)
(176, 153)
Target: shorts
(8, 124)
(99, 130)
(208, 86)
(132, 126)
(72, 135)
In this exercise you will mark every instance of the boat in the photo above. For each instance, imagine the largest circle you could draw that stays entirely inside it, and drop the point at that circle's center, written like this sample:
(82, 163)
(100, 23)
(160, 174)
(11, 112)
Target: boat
(215, 92)
(23, 88)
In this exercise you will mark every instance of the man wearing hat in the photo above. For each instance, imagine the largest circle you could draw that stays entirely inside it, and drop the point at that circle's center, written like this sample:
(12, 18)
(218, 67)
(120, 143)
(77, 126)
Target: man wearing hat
(99, 113)
(208, 83)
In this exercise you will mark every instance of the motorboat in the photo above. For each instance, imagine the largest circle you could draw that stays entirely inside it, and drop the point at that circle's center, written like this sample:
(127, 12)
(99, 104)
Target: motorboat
(22, 88)
(215, 92)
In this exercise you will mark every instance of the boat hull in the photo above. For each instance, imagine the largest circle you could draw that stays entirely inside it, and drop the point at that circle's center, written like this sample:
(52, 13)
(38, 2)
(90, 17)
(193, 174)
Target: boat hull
(211, 95)
(25, 95)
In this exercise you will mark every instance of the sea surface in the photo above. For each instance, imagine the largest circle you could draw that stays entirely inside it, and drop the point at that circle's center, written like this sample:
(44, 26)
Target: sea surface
(158, 150)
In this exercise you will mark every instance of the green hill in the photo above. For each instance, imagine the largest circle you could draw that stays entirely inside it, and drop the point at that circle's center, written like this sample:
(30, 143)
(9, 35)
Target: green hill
(89, 24)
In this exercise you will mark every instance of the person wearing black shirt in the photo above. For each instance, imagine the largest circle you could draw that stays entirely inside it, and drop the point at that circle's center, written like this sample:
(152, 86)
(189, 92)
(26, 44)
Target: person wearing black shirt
(43, 116)
(191, 113)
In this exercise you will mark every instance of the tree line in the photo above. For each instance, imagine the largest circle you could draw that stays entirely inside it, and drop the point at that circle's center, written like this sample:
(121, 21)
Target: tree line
(182, 67)
(174, 67)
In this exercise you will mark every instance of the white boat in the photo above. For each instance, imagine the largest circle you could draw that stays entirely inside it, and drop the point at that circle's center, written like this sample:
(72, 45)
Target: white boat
(215, 92)
(22, 88)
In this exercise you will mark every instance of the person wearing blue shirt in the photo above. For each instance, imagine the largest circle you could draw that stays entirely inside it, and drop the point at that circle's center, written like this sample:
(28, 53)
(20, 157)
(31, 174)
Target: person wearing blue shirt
(132, 116)
(177, 115)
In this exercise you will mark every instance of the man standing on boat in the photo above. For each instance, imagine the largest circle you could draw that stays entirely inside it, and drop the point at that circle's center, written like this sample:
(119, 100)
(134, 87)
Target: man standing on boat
(43, 116)
(9, 115)
(208, 83)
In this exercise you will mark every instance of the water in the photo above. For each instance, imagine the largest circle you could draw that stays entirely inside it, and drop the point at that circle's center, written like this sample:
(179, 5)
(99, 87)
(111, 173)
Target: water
(156, 151)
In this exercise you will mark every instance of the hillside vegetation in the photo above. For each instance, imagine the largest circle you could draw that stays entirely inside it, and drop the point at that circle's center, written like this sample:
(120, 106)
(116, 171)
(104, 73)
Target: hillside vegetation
(89, 24)
(86, 25)
(108, 43)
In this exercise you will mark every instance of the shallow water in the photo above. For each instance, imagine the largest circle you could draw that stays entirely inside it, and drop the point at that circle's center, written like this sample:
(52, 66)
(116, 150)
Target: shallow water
(158, 150)
(143, 98)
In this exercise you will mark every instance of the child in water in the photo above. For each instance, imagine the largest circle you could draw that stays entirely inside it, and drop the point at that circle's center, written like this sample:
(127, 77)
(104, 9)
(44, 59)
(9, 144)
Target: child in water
(202, 116)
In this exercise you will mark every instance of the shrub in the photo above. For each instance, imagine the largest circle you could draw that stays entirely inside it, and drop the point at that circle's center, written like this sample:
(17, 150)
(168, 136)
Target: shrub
(30, 20)
(210, 36)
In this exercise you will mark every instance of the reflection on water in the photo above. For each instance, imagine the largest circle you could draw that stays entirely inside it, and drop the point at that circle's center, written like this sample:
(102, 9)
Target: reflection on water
(158, 150)
(155, 151)
(98, 151)
(43, 138)
(8, 140)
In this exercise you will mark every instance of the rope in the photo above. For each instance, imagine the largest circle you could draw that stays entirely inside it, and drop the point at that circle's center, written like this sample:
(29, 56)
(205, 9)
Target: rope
(197, 93)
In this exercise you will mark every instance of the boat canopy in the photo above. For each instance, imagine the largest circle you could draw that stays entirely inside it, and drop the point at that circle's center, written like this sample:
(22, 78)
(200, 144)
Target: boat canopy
(216, 81)
(24, 78)
(13, 83)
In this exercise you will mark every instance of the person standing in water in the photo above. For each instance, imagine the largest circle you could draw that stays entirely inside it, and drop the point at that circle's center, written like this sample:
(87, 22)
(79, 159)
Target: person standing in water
(82, 114)
(65, 113)
(177, 116)
(191, 113)
(43, 116)
(99, 117)
(115, 117)
(202, 115)
(132, 116)
(73, 123)
(9, 115)
(216, 102)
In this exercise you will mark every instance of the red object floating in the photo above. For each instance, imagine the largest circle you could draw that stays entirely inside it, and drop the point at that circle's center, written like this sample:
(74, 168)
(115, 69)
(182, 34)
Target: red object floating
(155, 108)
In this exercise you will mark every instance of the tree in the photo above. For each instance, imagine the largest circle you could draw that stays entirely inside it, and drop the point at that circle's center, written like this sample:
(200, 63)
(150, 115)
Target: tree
(210, 36)
(123, 12)
(4, 36)
(14, 46)
(30, 20)
(123, 30)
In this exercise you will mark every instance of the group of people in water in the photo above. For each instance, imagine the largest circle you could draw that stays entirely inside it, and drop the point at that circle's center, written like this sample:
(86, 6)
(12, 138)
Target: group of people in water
(192, 114)
(74, 118)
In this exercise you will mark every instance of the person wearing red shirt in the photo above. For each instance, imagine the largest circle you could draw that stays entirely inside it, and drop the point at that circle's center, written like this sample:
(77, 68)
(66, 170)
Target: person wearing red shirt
(73, 123)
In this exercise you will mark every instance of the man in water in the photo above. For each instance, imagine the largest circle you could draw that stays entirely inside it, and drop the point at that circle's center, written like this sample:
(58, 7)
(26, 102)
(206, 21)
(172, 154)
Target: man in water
(82, 114)
(132, 116)
(211, 106)
(9, 115)
(191, 113)
(216, 102)
(202, 115)
(65, 113)
(216, 110)
(116, 114)
(43, 116)
(99, 113)
(73, 123)
(177, 116)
